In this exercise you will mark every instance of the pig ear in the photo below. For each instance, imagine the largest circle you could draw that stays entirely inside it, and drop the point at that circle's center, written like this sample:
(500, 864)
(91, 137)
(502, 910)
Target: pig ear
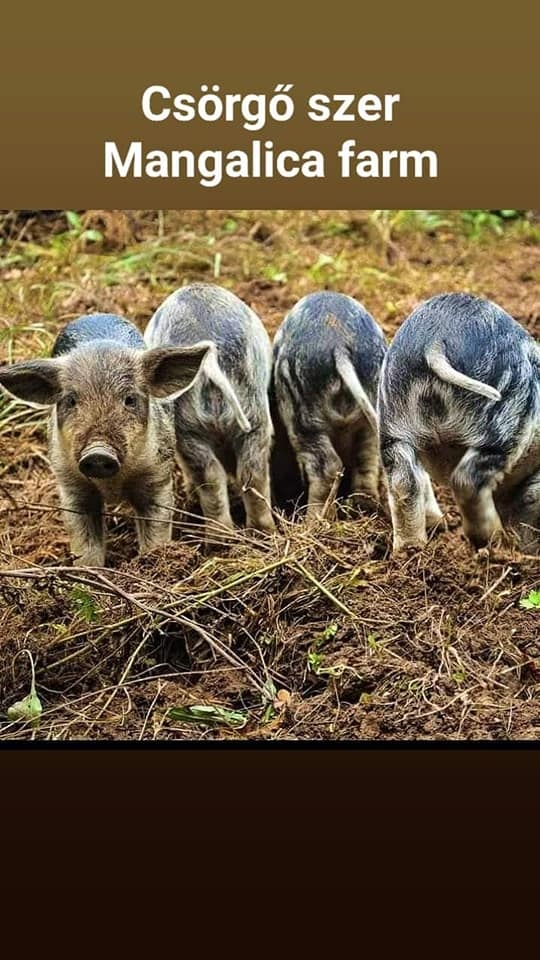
(171, 370)
(35, 381)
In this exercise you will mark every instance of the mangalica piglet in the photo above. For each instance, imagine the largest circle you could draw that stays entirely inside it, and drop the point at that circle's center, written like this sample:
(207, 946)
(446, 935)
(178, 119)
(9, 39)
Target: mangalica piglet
(327, 359)
(111, 428)
(223, 425)
(460, 401)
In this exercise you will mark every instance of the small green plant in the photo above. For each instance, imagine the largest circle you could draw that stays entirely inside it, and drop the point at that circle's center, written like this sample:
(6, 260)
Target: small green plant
(78, 231)
(532, 602)
(208, 715)
(388, 223)
(269, 691)
(84, 604)
(315, 660)
(315, 657)
(476, 222)
(325, 635)
(275, 274)
(326, 268)
(29, 708)
(336, 228)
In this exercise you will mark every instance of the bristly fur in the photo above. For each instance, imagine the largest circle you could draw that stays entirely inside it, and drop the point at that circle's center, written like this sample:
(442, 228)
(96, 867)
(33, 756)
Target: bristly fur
(223, 424)
(460, 399)
(327, 358)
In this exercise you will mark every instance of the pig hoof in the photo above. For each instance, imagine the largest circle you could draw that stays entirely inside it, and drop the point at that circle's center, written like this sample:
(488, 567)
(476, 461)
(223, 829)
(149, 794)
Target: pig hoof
(218, 537)
(436, 521)
(215, 546)
(319, 515)
(150, 548)
(437, 527)
(483, 544)
(361, 505)
(91, 560)
(264, 526)
(403, 550)
(261, 534)
(482, 553)
(498, 541)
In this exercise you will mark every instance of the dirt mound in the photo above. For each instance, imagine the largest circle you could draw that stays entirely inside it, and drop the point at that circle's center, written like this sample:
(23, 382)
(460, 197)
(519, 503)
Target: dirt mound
(314, 634)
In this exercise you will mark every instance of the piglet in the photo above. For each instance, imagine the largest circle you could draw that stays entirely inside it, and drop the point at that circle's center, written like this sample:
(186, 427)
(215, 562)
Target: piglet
(111, 427)
(223, 425)
(460, 402)
(327, 359)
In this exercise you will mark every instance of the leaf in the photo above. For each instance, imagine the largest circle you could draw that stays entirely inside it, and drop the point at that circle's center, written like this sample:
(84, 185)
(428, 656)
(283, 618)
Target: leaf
(202, 713)
(94, 236)
(269, 691)
(29, 708)
(325, 635)
(324, 261)
(85, 604)
(532, 601)
(73, 219)
(275, 275)
(315, 661)
(336, 671)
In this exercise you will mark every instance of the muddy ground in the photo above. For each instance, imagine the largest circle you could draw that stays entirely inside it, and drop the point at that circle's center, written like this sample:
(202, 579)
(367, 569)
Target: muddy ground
(314, 634)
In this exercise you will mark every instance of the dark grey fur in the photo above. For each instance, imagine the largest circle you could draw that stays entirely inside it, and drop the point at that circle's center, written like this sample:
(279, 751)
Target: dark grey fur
(486, 446)
(327, 358)
(97, 326)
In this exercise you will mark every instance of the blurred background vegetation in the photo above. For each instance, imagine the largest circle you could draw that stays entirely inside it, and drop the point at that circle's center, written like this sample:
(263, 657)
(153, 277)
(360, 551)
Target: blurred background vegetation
(57, 264)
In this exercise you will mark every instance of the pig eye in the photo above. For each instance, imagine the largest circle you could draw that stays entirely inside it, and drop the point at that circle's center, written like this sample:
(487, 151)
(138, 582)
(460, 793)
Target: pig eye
(69, 401)
(130, 401)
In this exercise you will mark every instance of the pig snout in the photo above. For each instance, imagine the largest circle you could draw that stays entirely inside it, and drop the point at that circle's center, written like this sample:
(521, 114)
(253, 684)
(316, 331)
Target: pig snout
(99, 462)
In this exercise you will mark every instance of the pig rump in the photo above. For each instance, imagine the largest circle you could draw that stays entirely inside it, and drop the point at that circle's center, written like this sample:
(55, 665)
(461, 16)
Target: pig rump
(327, 357)
(460, 401)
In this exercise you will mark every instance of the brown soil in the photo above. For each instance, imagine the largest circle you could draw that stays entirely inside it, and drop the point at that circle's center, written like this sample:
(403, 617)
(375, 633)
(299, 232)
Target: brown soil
(316, 634)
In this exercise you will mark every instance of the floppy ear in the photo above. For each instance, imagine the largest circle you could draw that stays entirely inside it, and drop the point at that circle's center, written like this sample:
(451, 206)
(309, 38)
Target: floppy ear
(36, 381)
(171, 370)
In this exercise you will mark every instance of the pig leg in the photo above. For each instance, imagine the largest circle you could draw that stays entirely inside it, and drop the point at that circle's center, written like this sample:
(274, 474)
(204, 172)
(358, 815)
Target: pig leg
(365, 469)
(83, 519)
(153, 502)
(321, 467)
(207, 477)
(253, 475)
(406, 493)
(434, 513)
(476, 476)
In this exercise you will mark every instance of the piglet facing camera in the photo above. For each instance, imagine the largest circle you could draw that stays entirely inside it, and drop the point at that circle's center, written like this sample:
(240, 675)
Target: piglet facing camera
(327, 359)
(111, 428)
(223, 425)
(460, 402)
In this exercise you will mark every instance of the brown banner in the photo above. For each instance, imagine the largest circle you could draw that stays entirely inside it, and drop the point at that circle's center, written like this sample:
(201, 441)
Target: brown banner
(467, 80)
